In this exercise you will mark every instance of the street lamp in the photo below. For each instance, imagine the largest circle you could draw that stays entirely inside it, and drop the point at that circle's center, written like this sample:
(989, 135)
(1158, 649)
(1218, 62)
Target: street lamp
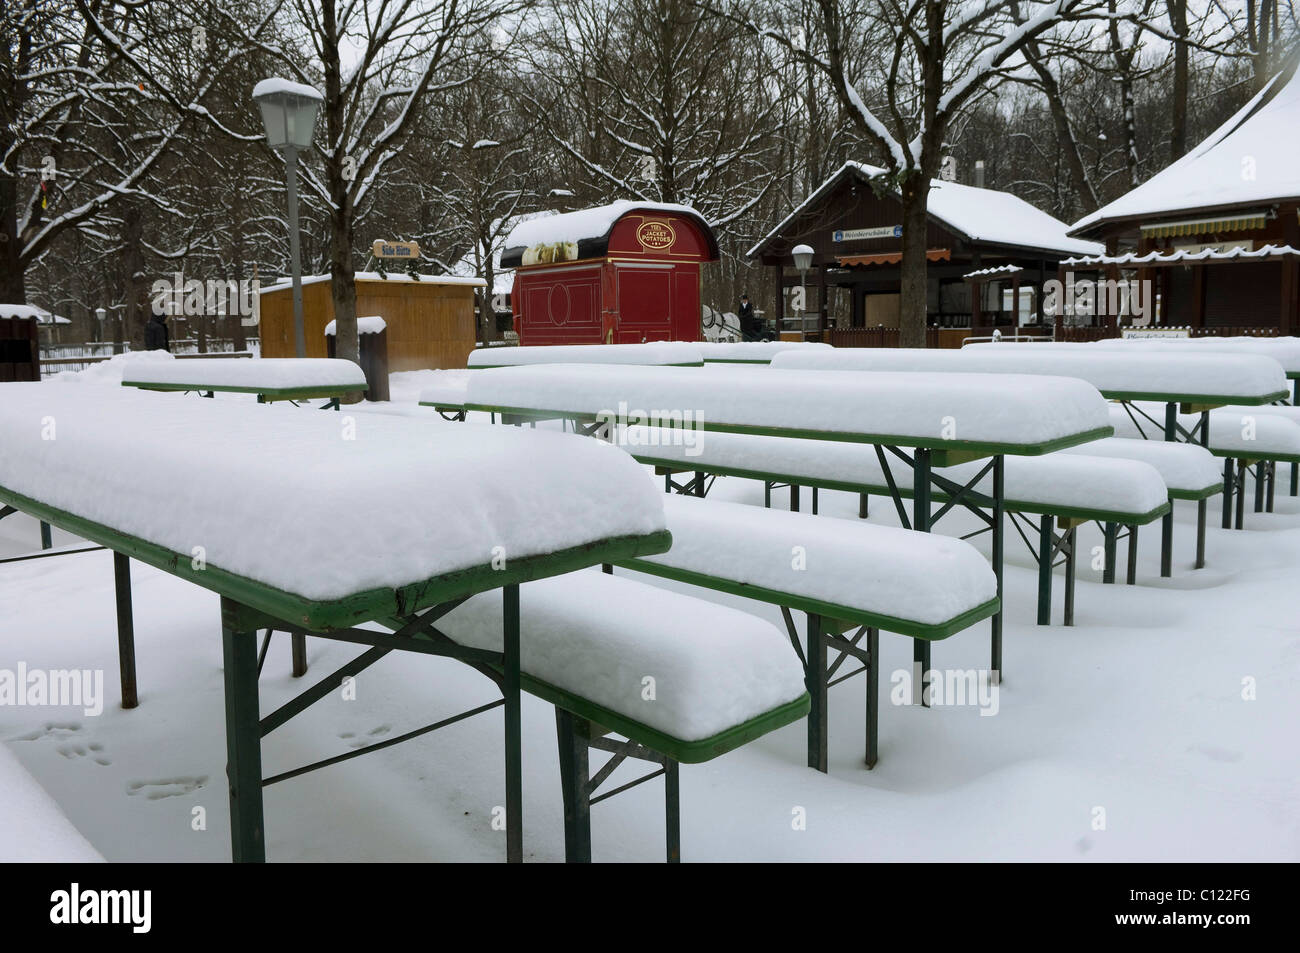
(803, 256)
(100, 315)
(289, 115)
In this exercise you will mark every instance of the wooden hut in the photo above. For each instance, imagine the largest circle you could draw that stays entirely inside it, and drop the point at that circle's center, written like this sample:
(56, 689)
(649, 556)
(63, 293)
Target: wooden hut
(431, 323)
(1217, 233)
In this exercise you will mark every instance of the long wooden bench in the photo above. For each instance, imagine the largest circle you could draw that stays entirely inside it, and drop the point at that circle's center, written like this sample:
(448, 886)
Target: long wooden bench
(851, 579)
(682, 680)
(1068, 490)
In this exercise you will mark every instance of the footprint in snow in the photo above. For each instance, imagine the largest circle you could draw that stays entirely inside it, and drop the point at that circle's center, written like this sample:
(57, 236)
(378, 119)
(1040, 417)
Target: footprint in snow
(51, 729)
(165, 787)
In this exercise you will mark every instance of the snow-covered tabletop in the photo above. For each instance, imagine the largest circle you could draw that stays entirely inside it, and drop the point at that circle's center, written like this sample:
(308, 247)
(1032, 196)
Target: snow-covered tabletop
(320, 506)
(679, 353)
(1150, 375)
(286, 375)
(922, 578)
(977, 412)
(752, 352)
(1284, 350)
(713, 667)
(1247, 433)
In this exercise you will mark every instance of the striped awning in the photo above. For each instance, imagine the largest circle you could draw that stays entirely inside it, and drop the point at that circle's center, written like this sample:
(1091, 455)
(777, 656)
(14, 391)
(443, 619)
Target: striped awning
(891, 258)
(1206, 226)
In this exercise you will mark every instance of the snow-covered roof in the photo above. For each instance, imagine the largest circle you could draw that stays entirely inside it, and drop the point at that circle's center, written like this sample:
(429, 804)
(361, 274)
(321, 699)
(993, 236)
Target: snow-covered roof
(31, 311)
(372, 324)
(981, 215)
(1183, 254)
(588, 225)
(397, 276)
(1249, 160)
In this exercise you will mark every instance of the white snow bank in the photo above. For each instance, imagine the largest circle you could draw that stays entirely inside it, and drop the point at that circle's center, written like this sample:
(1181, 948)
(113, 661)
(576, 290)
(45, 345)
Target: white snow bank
(372, 324)
(1240, 376)
(1284, 350)
(1184, 467)
(921, 577)
(758, 352)
(908, 408)
(33, 829)
(320, 505)
(601, 636)
(116, 367)
(445, 387)
(275, 373)
(654, 353)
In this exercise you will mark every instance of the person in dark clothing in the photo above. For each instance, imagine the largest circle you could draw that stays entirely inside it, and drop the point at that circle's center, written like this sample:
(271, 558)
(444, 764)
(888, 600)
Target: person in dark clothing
(750, 327)
(156, 337)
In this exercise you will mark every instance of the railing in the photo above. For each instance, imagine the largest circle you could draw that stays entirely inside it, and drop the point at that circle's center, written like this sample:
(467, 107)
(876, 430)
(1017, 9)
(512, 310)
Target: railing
(55, 364)
(1104, 332)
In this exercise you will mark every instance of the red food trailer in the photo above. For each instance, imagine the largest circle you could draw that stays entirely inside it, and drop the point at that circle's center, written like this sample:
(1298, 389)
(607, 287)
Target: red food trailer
(617, 274)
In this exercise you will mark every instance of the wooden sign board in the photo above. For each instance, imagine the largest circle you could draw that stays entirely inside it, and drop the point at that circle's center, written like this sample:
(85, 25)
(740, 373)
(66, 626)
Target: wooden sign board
(382, 249)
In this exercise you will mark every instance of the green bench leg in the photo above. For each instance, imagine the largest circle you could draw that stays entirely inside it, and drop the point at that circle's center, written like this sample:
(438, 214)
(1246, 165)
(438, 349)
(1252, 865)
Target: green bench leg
(1167, 544)
(1261, 471)
(1070, 562)
(999, 544)
(1272, 482)
(1241, 493)
(1045, 541)
(668, 482)
(873, 697)
(699, 483)
(921, 523)
(513, 726)
(814, 495)
(298, 641)
(794, 498)
(1130, 576)
(1228, 485)
(1110, 534)
(767, 495)
(573, 783)
(815, 678)
(1202, 514)
(672, 812)
(47, 540)
(1295, 479)
(862, 503)
(243, 738)
(125, 629)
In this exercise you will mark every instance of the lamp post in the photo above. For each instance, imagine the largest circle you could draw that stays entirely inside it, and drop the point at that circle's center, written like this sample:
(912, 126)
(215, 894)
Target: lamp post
(289, 114)
(100, 315)
(803, 256)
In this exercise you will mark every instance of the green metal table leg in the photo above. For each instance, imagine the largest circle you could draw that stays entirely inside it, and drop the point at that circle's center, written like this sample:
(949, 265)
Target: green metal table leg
(513, 728)
(1202, 512)
(1261, 470)
(672, 811)
(794, 497)
(767, 494)
(999, 544)
(815, 677)
(298, 642)
(699, 483)
(1167, 521)
(862, 498)
(1130, 577)
(243, 737)
(1045, 540)
(814, 501)
(921, 523)
(125, 629)
(1109, 536)
(1241, 493)
(873, 697)
(1070, 562)
(1272, 482)
(1229, 480)
(47, 540)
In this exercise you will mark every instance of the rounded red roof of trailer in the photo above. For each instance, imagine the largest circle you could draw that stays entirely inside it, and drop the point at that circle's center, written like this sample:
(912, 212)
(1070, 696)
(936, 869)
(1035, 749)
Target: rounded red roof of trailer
(655, 230)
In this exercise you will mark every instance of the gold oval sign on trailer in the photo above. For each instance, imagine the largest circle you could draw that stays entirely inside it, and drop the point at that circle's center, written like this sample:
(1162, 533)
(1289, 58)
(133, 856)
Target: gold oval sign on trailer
(656, 235)
(382, 249)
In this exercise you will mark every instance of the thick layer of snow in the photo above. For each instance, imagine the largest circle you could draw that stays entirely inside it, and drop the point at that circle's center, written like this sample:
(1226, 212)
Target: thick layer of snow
(274, 373)
(601, 637)
(30, 311)
(1260, 139)
(584, 224)
(651, 354)
(916, 409)
(1241, 376)
(368, 325)
(32, 827)
(321, 505)
(1184, 467)
(445, 387)
(118, 366)
(758, 352)
(921, 577)
(983, 215)
(1284, 350)
(278, 85)
(1080, 482)
(1248, 432)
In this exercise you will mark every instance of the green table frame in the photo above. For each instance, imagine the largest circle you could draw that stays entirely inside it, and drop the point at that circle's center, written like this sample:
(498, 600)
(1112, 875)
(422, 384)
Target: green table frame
(265, 395)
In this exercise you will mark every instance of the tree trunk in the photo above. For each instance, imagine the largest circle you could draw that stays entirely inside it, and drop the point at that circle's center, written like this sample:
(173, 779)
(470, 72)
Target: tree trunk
(915, 193)
(341, 282)
(135, 301)
(1178, 105)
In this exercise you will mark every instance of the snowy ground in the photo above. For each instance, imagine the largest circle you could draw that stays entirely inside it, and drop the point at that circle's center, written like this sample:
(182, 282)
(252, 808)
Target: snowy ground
(1137, 711)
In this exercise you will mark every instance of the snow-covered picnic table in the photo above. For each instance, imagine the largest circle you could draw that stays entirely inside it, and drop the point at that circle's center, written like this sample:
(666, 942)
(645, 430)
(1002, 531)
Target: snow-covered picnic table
(308, 526)
(942, 420)
(270, 379)
(654, 353)
(1196, 379)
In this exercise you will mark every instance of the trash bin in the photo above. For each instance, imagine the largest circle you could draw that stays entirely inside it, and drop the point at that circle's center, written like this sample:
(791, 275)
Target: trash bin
(19, 350)
(372, 338)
